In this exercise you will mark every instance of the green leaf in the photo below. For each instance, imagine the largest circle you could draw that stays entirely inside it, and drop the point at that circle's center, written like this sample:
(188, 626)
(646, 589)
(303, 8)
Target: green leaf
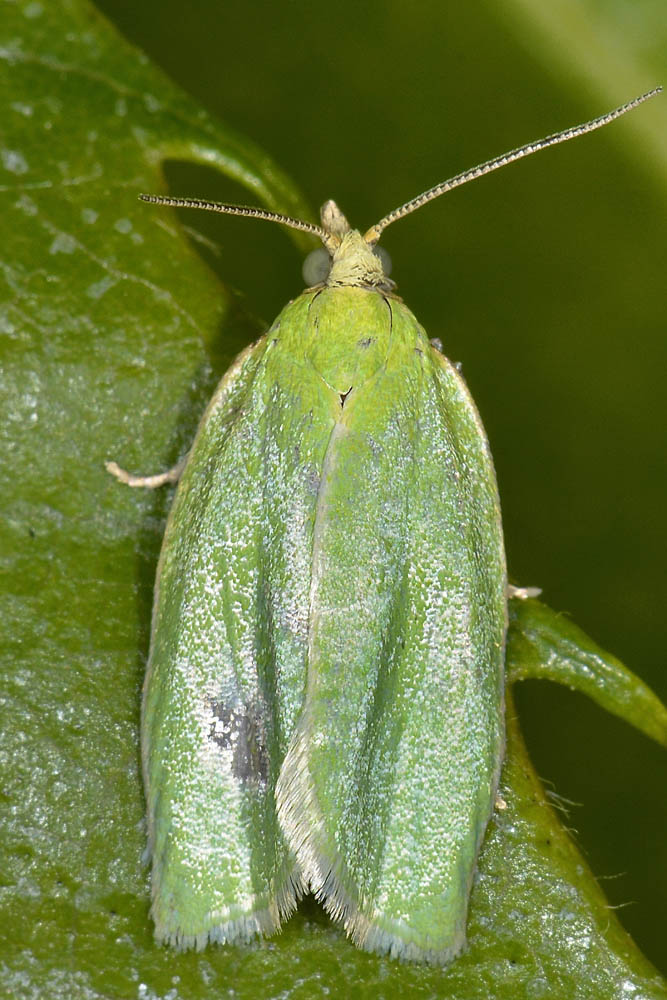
(548, 646)
(111, 332)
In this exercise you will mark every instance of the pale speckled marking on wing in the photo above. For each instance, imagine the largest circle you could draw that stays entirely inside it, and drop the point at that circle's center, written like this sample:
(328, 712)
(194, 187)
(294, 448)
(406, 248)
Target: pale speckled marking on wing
(228, 654)
(389, 781)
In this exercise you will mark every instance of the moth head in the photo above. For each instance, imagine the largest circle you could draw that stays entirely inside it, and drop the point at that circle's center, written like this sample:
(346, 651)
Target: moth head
(346, 257)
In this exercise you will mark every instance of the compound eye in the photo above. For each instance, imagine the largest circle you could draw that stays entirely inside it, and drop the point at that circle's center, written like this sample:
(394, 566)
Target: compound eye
(316, 267)
(385, 259)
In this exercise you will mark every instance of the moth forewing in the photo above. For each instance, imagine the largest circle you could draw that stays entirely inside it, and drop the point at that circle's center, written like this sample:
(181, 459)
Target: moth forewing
(211, 745)
(390, 778)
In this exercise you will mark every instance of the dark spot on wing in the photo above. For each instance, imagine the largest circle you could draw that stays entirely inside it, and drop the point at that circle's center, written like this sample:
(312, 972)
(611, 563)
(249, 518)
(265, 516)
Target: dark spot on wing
(239, 728)
(366, 342)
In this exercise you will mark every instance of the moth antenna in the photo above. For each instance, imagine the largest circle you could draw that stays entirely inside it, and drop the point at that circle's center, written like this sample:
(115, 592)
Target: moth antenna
(249, 211)
(373, 233)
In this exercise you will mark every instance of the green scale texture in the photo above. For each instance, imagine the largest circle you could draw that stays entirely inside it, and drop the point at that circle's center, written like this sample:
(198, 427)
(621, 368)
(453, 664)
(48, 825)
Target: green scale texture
(324, 701)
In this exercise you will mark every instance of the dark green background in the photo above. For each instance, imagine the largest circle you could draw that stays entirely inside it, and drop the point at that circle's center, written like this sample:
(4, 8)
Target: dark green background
(546, 280)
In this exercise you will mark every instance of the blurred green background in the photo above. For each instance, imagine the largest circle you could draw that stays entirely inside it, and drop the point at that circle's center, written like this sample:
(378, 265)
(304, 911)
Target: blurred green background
(546, 280)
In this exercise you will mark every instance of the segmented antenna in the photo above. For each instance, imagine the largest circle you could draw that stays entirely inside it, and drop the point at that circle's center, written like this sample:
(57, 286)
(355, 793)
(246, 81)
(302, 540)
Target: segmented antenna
(373, 233)
(249, 211)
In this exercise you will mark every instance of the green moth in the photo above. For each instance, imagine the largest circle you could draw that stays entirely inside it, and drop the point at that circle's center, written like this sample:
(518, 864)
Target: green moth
(323, 706)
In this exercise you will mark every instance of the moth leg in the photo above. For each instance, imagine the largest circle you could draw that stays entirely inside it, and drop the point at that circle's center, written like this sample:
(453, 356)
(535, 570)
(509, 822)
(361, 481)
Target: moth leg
(522, 593)
(149, 482)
